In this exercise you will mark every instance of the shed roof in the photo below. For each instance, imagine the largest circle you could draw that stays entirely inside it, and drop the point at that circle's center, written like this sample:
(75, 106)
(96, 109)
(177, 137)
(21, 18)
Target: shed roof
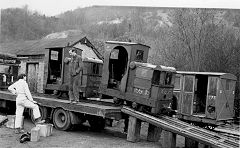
(15, 47)
(93, 60)
(87, 52)
(39, 46)
(219, 74)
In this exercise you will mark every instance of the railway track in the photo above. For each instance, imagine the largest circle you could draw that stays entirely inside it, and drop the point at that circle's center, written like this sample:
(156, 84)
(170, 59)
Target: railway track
(174, 125)
(232, 136)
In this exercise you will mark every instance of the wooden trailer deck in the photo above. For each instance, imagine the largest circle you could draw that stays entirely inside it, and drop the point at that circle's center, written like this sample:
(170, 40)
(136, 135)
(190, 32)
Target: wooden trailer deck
(97, 108)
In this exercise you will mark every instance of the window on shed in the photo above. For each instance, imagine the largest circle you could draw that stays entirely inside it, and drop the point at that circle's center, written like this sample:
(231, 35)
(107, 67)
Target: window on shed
(54, 55)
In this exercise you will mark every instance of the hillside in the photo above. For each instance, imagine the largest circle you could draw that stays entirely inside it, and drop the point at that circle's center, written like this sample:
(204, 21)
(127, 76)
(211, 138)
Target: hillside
(24, 24)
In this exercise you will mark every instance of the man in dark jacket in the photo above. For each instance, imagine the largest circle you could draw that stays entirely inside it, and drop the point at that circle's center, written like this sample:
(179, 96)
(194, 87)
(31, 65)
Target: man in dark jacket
(75, 72)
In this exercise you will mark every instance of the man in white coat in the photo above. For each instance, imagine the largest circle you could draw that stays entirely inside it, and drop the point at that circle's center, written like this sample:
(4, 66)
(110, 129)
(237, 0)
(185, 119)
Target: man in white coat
(24, 99)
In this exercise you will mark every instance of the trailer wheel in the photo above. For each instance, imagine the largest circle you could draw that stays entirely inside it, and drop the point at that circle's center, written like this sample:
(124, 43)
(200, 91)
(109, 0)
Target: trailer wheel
(96, 123)
(61, 119)
(43, 112)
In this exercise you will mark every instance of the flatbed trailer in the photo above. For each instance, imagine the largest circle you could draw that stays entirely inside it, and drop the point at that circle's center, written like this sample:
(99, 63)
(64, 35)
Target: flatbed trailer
(63, 114)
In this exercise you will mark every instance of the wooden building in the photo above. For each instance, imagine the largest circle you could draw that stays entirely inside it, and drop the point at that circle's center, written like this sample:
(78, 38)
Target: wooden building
(34, 56)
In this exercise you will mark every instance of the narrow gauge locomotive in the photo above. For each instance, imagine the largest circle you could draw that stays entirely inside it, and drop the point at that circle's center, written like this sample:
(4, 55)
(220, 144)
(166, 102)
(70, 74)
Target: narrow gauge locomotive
(130, 80)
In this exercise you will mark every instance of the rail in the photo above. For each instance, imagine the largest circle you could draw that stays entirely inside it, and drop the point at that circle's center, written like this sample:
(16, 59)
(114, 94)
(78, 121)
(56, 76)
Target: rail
(184, 129)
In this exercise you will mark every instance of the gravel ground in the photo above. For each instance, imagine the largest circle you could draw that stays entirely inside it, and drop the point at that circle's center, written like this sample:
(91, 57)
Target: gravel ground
(79, 137)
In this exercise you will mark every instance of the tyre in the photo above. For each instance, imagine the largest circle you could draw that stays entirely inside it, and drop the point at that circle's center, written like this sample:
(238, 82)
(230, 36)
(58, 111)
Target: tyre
(61, 119)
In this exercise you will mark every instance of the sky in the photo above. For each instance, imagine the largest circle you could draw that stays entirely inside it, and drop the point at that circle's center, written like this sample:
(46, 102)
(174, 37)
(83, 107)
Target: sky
(54, 7)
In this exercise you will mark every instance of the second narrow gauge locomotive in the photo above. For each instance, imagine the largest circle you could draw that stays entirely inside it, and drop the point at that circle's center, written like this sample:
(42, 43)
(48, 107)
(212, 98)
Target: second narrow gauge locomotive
(129, 79)
(205, 98)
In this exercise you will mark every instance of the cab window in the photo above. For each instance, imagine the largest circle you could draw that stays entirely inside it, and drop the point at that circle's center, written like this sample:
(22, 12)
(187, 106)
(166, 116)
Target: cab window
(188, 85)
(168, 78)
(139, 56)
(213, 86)
(156, 77)
(177, 84)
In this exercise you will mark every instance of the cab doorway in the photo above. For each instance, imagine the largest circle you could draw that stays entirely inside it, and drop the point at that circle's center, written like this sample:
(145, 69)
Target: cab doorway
(118, 61)
(200, 94)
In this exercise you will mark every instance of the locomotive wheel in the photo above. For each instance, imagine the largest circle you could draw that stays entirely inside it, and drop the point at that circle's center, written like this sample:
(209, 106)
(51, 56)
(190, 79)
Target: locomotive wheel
(61, 119)
(118, 101)
(134, 105)
(210, 127)
(96, 123)
(43, 112)
(128, 103)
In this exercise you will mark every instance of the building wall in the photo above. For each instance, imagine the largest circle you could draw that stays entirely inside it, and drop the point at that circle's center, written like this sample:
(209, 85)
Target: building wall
(40, 70)
(86, 51)
(22, 68)
(40, 77)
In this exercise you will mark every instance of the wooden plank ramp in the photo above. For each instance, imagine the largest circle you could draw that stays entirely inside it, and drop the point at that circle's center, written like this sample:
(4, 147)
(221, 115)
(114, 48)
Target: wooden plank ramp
(172, 126)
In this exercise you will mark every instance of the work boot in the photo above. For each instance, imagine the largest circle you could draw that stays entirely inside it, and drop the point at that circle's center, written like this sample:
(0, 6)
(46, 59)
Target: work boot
(74, 102)
(39, 121)
(19, 131)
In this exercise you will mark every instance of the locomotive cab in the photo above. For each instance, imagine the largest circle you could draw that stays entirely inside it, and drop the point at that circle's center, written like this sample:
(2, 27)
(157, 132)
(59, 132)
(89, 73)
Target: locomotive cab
(129, 79)
(118, 56)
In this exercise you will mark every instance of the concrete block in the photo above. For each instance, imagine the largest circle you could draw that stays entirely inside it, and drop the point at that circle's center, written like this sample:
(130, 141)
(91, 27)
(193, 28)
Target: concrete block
(35, 134)
(11, 121)
(45, 129)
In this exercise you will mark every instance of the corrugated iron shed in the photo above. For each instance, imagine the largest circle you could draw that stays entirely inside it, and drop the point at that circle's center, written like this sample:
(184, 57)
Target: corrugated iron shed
(38, 47)
(15, 47)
